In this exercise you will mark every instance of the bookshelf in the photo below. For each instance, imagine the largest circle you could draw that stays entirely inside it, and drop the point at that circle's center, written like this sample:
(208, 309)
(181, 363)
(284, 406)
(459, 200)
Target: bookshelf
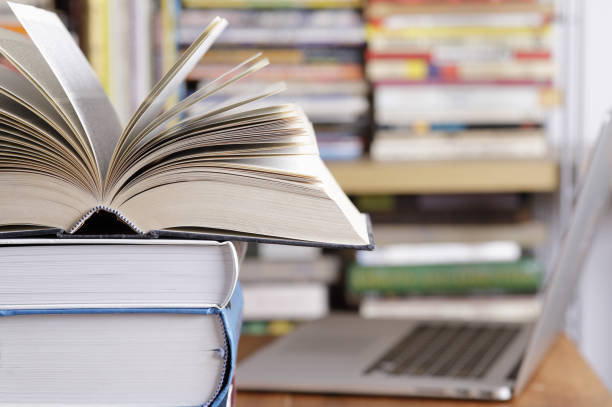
(386, 84)
(435, 177)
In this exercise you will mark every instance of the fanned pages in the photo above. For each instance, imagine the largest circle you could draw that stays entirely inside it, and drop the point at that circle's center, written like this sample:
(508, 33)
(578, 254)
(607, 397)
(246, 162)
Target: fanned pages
(76, 77)
(226, 171)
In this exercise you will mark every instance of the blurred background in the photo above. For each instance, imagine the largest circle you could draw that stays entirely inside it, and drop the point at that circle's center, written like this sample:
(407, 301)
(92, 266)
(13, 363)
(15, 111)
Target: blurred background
(461, 126)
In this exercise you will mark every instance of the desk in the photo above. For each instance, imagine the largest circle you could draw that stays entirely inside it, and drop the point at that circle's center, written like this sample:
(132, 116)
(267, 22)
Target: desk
(563, 380)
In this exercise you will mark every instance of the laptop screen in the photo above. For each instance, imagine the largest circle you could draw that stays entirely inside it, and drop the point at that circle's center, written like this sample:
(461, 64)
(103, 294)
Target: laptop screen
(590, 203)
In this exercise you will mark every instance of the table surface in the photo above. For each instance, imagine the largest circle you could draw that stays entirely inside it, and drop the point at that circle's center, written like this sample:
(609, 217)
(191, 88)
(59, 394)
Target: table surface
(563, 379)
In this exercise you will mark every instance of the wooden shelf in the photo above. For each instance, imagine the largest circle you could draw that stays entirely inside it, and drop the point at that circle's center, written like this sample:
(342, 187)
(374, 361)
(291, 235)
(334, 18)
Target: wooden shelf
(437, 177)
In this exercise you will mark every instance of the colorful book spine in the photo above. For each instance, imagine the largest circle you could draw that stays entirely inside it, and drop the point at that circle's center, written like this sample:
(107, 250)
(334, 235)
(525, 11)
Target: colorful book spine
(322, 4)
(523, 276)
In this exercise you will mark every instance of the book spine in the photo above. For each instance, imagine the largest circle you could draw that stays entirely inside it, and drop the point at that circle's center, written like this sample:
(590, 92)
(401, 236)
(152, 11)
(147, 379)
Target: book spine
(310, 72)
(319, 4)
(459, 32)
(523, 276)
(502, 309)
(232, 319)
(419, 69)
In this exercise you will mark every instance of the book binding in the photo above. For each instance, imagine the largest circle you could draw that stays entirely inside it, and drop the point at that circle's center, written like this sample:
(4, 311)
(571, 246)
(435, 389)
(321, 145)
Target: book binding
(123, 228)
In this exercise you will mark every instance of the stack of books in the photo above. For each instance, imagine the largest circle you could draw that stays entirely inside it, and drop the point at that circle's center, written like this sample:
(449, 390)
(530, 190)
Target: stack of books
(461, 79)
(284, 285)
(449, 280)
(440, 257)
(118, 322)
(119, 281)
(316, 49)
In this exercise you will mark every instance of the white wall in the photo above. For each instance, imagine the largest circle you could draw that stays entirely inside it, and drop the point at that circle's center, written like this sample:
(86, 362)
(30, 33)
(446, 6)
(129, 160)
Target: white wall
(595, 292)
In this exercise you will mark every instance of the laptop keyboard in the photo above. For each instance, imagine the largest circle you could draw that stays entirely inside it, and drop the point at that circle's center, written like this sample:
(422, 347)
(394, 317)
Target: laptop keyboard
(446, 350)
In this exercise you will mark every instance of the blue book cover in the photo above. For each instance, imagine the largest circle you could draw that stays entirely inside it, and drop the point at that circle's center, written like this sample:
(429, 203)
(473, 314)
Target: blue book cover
(231, 316)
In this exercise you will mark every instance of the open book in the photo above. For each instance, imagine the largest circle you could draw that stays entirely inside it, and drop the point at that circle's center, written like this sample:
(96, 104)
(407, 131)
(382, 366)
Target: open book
(226, 172)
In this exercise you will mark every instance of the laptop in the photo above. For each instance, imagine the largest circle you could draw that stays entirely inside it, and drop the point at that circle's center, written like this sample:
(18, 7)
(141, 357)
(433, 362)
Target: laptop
(489, 361)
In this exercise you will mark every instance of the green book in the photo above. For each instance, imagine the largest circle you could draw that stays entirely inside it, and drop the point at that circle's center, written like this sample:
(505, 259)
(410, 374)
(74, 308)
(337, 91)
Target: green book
(522, 276)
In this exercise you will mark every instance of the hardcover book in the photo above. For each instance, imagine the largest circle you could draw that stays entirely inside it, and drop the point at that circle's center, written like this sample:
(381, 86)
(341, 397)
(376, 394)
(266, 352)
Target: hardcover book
(519, 277)
(117, 273)
(226, 172)
(127, 357)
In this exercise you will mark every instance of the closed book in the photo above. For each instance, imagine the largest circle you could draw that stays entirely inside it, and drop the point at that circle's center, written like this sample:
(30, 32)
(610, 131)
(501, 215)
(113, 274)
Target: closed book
(405, 254)
(285, 300)
(379, 9)
(492, 308)
(537, 71)
(523, 276)
(458, 53)
(119, 357)
(300, 4)
(276, 252)
(116, 273)
(284, 55)
(528, 234)
(458, 33)
(274, 19)
(300, 88)
(316, 72)
(494, 144)
(447, 48)
(451, 103)
(285, 36)
(493, 19)
(321, 109)
(324, 269)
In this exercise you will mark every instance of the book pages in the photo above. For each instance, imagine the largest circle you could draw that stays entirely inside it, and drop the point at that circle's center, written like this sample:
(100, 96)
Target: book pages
(22, 53)
(171, 81)
(76, 77)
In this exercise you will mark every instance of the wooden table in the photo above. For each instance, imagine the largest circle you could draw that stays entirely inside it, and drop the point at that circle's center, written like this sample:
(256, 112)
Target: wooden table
(563, 380)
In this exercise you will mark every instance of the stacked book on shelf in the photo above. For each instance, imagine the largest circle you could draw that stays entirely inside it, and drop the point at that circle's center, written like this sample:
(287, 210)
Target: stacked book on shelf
(316, 49)
(117, 267)
(450, 257)
(284, 285)
(461, 79)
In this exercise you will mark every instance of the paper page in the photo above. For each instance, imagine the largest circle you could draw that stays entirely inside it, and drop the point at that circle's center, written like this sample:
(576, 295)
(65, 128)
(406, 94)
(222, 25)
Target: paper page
(21, 89)
(246, 68)
(153, 104)
(28, 139)
(22, 53)
(156, 127)
(76, 77)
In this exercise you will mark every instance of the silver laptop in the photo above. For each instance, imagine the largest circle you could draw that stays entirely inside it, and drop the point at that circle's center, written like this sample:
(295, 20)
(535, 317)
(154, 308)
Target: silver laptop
(348, 354)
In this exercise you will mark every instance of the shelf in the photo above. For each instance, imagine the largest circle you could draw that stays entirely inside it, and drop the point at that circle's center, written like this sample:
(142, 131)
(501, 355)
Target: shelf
(438, 177)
